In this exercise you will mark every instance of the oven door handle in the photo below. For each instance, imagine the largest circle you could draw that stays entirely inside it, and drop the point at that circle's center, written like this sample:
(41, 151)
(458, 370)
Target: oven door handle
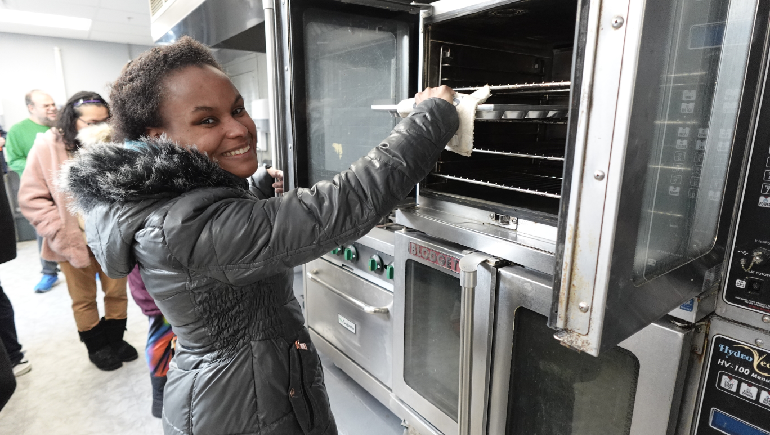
(366, 308)
(468, 271)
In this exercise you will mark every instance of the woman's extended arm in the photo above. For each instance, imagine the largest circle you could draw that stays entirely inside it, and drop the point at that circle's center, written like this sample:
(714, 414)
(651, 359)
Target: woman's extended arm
(240, 241)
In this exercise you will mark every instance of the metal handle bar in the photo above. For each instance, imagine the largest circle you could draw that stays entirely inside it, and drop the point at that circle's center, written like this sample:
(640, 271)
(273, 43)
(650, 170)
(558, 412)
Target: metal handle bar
(369, 309)
(468, 266)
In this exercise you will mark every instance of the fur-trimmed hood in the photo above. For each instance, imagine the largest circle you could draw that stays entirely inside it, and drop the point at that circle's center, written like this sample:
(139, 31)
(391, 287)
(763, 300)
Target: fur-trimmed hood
(113, 173)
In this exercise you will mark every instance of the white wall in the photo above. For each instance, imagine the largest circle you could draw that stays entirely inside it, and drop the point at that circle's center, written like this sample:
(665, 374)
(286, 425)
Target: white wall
(27, 62)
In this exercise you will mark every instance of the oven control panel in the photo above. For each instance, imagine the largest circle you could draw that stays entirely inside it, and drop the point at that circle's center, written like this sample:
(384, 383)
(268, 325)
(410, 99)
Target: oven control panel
(748, 281)
(367, 262)
(735, 399)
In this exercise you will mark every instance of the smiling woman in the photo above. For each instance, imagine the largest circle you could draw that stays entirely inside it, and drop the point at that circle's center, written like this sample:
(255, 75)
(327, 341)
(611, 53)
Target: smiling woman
(202, 108)
(217, 255)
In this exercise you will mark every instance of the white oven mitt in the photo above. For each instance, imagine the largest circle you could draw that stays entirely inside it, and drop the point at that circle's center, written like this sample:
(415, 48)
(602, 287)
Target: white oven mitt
(462, 142)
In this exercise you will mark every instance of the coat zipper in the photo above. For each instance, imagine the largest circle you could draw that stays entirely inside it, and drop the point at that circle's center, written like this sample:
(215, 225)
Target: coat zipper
(305, 392)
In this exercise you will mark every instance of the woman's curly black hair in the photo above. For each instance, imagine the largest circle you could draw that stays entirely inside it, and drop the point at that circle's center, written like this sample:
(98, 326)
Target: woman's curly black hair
(137, 94)
(67, 120)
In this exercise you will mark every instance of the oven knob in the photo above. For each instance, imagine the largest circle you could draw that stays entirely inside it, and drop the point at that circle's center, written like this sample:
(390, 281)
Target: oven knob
(351, 254)
(375, 263)
(337, 250)
(390, 271)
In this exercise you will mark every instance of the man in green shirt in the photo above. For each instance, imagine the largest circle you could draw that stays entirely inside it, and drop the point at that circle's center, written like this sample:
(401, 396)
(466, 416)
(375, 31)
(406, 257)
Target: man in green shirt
(21, 136)
(18, 142)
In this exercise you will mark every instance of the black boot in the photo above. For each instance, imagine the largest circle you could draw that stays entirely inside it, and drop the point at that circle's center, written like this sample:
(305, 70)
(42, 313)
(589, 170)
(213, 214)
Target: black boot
(158, 382)
(114, 329)
(99, 351)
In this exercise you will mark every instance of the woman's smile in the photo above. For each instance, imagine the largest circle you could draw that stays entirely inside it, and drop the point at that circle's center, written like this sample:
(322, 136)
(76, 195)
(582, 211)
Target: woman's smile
(238, 152)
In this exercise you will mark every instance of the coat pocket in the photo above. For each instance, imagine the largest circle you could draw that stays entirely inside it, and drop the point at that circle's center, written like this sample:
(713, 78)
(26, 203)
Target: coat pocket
(307, 392)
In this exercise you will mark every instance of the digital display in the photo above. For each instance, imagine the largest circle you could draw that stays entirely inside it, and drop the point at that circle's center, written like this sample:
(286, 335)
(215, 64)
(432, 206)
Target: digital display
(732, 426)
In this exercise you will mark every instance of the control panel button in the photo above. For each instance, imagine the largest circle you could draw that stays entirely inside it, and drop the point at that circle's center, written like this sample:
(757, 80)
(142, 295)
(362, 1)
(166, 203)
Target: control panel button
(390, 271)
(351, 253)
(337, 250)
(375, 263)
(754, 285)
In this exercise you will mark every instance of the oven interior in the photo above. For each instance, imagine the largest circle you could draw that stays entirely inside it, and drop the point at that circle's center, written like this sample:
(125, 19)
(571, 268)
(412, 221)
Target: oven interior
(524, 52)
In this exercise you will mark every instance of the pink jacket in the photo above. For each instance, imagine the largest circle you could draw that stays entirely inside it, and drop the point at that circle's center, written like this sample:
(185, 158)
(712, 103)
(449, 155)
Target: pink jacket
(46, 208)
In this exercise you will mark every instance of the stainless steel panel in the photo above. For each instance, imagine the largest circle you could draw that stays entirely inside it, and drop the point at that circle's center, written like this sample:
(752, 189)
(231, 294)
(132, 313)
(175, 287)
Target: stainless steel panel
(752, 318)
(603, 47)
(379, 239)
(374, 386)
(353, 315)
(483, 314)
(606, 286)
(517, 287)
(662, 350)
(359, 266)
(507, 244)
(275, 90)
(210, 23)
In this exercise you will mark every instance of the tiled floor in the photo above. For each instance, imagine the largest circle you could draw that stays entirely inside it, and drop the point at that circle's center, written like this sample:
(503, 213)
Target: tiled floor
(65, 394)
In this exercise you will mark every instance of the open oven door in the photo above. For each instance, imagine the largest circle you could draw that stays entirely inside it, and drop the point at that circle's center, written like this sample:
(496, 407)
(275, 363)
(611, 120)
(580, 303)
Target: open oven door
(337, 59)
(667, 103)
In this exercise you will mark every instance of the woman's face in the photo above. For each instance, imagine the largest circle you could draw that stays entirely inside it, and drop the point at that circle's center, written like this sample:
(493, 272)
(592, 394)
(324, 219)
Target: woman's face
(201, 107)
(90, 115)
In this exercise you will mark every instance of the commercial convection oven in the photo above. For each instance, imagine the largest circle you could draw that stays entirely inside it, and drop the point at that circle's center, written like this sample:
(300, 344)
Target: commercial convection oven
(605, 156)
(599, 196)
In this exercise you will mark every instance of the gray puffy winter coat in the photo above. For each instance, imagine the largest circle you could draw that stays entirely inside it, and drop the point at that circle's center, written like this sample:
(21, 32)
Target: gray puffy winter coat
(218, 259)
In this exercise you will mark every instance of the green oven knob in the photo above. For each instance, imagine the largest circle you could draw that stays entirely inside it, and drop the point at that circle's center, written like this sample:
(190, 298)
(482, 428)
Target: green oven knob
(375, 263)
(351, 254)
(390, 271)
(337, 250)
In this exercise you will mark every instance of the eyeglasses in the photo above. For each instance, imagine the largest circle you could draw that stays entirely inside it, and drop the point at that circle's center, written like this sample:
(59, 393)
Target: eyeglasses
(95, 122)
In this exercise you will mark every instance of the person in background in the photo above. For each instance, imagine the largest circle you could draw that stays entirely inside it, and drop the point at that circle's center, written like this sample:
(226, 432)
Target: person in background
(217, 257)
(3, 163)
(21, 136)
(12, 361)
(160, 338)
(63, 238)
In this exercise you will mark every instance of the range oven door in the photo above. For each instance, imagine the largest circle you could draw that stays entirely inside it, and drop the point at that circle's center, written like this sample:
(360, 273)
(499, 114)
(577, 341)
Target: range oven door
(655, 160)
(340, 58)
(427, 333)
(539, 386)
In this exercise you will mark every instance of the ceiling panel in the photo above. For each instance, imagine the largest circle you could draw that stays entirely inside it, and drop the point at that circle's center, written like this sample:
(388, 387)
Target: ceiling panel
(104, 26)
(140, 7)
(123, 17)
(126, 21)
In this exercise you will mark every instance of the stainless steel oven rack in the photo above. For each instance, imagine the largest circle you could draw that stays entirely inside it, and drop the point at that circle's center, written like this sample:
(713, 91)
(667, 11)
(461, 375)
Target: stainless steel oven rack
(516, 112)
(530, 151)
(533, 184)
(540, 88)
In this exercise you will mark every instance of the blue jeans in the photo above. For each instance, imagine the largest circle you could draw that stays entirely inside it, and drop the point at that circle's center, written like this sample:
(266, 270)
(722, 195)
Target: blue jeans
(49, 267)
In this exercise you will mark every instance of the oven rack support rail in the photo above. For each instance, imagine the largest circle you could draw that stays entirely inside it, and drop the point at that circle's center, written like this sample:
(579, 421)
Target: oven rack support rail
(498, 186)
(536, 87)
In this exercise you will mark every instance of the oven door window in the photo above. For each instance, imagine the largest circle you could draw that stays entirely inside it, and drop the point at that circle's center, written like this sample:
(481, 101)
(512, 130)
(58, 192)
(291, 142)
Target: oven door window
(432, 336)
(557, 391)
(685, 118)
(352, 62)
